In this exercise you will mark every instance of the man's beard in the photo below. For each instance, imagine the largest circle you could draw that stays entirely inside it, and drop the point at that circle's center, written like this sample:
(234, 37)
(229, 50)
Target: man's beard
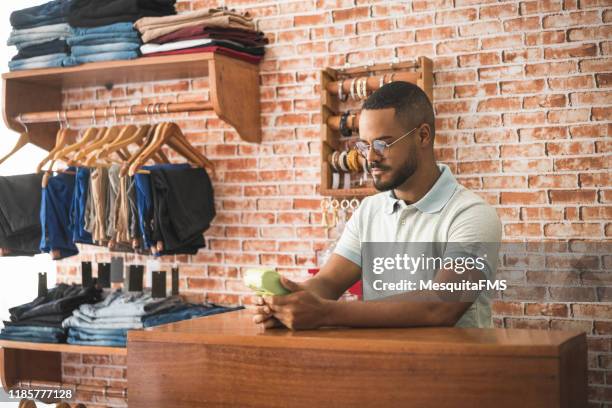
(397, 178)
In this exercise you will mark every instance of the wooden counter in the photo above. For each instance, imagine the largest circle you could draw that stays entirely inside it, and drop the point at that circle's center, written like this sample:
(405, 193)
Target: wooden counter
(226, 361)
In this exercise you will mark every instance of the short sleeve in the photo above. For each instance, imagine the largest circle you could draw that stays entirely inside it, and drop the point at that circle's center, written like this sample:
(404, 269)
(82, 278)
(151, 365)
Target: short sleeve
(476, 232)
(349, 244)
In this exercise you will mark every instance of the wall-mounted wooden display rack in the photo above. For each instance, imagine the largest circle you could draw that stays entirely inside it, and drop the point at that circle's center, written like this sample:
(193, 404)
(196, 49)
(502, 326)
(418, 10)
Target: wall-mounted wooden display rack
(418, 72)
(36, 95)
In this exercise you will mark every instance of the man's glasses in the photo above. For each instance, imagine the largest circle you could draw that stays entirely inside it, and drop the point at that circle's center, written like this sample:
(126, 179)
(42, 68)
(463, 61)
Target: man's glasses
(379, 146)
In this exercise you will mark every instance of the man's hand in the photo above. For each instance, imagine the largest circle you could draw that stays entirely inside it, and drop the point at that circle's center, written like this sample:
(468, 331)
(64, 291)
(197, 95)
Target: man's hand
(299, 310)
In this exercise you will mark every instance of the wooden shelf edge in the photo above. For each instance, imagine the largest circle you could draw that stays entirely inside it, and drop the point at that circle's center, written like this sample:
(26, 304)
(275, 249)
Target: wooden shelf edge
(62, 348)
(348, 192)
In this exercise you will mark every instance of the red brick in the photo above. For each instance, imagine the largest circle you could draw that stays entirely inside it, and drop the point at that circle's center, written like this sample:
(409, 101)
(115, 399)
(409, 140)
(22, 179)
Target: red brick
(456, 46)
(522, 24)
(435, 33)
(523, 150)
(524, 118)
(573, 230)
(527, 165)
(524, 198)
(604, 80)
(580, 163)
(482, 152)
(502, 41)
(507, 308)
(454, 77)
(453, 107)
(591, 98)
(507, 71)
(311, 19)
(594, 179)
(514, 87)
(477, 167)
(595, 65)
(536, 293)
(499, 104)
(573, 148)
(479, 59)
(495, 135)
(480, 28)
(480, 121)
(596, 213)
(541, 214)
(572, 325)
(546, 309)
(456, 16)
(504, 182)
(571, 51)
(572, 196)
(478, 89)
(414, 51)
(590, 33)
(351, 14)
(575, 18)
(550, 68)
(544, 101)
(592, 311)
(543, 133)
(529, 54)
(374, 26)
(568, 115)
(498, 10)
(601, 113)
(539, 6)
(536, 324)
(553, 181)
(544, 38)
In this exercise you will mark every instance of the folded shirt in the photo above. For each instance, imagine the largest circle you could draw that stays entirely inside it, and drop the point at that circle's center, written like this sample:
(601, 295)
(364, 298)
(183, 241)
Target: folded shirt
(50, 47)
(253, 59)
(52, 12)
(93, 13)
(152, 28)
(249, 38)
(177, 45)
(20, 229)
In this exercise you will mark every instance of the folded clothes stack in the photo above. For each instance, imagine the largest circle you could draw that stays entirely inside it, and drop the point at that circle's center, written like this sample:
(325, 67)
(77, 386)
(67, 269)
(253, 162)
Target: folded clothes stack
(213, 30)
(106, 323)
(102, 29)
(41, 319)
(20, 230)
(40, 35)
(118, 41)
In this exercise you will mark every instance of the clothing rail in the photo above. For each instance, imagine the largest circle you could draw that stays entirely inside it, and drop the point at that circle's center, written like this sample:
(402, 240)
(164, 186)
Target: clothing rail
(113, 111)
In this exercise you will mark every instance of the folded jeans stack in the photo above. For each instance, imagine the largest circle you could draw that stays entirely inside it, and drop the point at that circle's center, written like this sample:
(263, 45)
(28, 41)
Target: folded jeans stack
(20, 230)
(41, 319)
(214, 30)
(40, 34)
(113, 316)
(117, 41)
(107, 323)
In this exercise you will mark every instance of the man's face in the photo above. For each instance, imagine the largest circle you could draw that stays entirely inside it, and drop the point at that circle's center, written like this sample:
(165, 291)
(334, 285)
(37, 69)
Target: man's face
(400, 161)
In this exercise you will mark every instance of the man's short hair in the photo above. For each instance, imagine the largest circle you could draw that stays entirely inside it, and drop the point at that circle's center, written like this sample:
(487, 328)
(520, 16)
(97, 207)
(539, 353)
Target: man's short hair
(411, 104)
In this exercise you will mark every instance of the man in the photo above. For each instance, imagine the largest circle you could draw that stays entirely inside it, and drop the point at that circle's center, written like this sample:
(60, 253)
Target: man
(420, 201)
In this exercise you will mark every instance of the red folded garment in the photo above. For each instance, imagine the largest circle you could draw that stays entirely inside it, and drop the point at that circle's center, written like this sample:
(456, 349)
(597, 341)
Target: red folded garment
(247, 37)
(254, 59)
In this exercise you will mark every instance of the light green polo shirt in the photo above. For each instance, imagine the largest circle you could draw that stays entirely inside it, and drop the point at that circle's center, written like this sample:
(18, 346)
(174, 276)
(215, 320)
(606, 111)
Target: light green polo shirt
(448, 213)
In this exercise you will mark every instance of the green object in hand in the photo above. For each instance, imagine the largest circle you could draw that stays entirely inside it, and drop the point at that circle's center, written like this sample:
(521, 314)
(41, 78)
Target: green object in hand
(265, 282)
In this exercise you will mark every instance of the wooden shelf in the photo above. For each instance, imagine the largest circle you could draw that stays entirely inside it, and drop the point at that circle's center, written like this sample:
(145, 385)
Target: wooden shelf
(26, 361)
(234, 88)
(418, 71)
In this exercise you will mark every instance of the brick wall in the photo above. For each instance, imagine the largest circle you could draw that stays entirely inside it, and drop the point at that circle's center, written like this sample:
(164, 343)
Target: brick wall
(523, 102)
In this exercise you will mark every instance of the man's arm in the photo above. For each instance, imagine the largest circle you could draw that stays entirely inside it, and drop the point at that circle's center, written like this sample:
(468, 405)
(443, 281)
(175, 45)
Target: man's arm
(335, 277)
(304, 309)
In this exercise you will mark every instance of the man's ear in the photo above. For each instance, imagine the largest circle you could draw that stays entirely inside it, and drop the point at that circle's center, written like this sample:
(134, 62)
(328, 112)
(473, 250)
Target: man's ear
(425, 135)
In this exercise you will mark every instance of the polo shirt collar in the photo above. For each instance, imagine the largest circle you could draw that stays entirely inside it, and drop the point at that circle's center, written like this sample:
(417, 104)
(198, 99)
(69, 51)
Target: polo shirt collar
(435, 199)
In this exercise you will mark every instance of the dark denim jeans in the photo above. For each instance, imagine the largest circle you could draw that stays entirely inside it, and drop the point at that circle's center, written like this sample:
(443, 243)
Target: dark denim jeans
(190, 312)
(53, 12)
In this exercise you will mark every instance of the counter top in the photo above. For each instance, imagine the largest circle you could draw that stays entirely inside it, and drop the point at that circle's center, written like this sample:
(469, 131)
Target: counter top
(237, 328)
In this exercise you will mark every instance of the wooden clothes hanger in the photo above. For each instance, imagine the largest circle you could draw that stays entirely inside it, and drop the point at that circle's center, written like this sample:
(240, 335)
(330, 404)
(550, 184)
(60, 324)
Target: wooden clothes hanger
(24, 139)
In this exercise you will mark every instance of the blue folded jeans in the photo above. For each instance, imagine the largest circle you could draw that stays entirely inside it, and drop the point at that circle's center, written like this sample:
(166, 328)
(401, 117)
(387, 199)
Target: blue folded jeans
(99, 335)
(117, 28)
(107, 343)
(33, 333)
(81, 50)
(105, 56)
(186, 314)
(46, 61)
(53, 12)
(103, 38)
